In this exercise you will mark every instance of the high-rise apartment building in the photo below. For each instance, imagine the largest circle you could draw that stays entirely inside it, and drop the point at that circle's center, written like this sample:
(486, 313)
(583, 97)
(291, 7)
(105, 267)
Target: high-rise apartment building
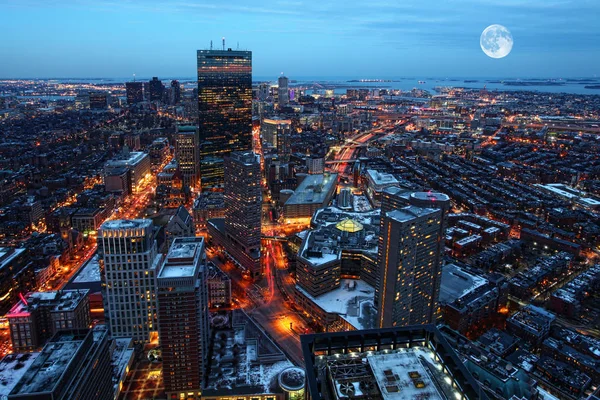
(224, 110)
(276, 132)
(156, 88)
(283, 91)
(184, 331)
(187, 153)
(409, 264)
(135, 92)
(243, 202)
(128, 251)
(175, 92)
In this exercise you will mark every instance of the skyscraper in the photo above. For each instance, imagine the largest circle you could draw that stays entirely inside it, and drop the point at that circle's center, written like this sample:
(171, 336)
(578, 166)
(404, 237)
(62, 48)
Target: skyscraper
(175, 92)
(187, 153)
(243, 202)
(183, 315)
(128, 251)
(283, 94)
(395, 197)
(135, 92)
(156, 88)
(224, 110)
(408, 260)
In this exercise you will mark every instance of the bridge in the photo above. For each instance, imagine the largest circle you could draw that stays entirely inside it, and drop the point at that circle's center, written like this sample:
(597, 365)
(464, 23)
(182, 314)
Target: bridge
(333, 162)
(279, 238)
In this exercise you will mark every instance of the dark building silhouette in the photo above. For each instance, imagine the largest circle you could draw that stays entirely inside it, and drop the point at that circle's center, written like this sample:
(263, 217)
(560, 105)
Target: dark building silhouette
(156, 89)
(135, 92)
(224, 110)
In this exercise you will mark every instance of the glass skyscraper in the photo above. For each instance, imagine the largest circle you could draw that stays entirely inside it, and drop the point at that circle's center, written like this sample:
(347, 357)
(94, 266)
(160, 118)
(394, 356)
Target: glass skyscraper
(224, 110)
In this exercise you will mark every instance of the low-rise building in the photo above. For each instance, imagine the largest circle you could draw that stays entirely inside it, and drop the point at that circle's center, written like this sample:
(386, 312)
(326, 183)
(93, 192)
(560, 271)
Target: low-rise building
(314, 192)
(38, 316)
(531, 324)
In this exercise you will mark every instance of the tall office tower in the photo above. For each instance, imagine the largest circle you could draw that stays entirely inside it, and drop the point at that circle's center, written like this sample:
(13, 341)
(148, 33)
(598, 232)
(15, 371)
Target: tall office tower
(283, 91)
(395, 197)
(128, 251)
(187, 153)
(224, 110)
(135, 92)
(183, 314)
(243, 205)
(409, 266)
(276, 132)
(98, 100)
(75, 364)
(263, 91)
(156, 88)
(175, 92)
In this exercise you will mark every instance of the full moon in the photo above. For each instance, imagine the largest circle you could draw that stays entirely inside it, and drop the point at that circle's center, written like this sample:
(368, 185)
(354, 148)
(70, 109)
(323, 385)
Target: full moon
(496, 41)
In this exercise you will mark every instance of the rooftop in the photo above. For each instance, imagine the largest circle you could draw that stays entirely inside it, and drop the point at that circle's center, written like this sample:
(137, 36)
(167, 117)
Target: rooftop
(245, 360)
(12, 368)
(353, 301)
(44, 374)
(8, 254)
(458, 282)
(313, 189)
(126, 159)
(90, 272)
(349, 225)
(381, 178)
(409, 213)
(61, 300)
(183, 258)
(430, 196)
(126, 224)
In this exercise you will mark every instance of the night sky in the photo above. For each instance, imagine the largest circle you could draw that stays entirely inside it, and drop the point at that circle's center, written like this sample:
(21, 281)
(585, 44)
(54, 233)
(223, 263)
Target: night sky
(363, 39)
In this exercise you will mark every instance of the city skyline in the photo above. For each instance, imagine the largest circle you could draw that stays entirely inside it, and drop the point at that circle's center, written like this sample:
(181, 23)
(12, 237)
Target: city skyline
(404, 224)
(413, 39)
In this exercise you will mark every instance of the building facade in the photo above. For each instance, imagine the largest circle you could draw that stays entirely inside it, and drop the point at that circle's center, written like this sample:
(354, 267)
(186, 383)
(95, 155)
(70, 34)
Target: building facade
(128, 251)
(183, 314)
(135, 92)
(74, 365)
(243, 205)
(224, 110)
(187, 153)
(409, 265)
(38, 316)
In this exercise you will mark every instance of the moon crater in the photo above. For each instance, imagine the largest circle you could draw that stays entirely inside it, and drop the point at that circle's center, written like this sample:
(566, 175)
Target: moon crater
(496, 41)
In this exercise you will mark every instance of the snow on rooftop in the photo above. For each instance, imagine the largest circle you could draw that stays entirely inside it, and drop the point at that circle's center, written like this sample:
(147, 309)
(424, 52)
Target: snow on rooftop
(381, 178)
(126, 224)
(177, 271)
(457, 282)
(49, 367)
(90, 271)
(409, 213)
(183, 250)
(12, 369)
(349, 301)
(401, 363)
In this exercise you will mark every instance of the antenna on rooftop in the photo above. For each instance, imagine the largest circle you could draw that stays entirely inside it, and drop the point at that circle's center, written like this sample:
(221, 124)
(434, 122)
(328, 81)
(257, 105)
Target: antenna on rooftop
(211, 44)
(238, 45)
(223, 38)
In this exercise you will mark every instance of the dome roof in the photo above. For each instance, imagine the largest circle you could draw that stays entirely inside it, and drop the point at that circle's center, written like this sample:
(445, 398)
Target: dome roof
(349, 225)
